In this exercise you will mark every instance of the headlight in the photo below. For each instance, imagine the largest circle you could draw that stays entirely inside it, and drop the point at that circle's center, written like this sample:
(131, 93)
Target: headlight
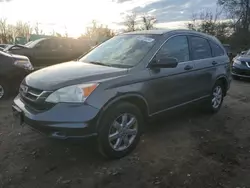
(72, 94)
(24, 63)
(237, 62)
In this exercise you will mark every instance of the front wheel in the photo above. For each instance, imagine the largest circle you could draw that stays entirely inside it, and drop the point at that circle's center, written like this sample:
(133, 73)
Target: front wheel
(216, 98)
(120, 130)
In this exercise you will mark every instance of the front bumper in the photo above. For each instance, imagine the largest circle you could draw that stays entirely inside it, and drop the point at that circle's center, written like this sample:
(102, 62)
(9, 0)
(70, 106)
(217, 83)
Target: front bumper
(62, 121)
(241, 71)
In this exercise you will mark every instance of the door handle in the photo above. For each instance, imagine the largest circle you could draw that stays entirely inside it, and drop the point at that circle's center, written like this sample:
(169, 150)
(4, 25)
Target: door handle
(214, 63)
(188, 67)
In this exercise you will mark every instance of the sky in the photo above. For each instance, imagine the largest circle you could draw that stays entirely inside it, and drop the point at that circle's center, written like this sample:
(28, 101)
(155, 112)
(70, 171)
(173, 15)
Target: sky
(73, 16)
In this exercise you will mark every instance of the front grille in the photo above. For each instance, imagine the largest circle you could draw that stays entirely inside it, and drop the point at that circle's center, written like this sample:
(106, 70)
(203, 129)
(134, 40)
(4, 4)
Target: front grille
(244, 72)
(35, 106)
(246, 63)
(34, 98)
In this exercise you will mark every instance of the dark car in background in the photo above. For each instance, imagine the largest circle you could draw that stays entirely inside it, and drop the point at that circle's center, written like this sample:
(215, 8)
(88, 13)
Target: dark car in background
(2, 46)
(112, 90)
(49, 51)
(241, 65)
(13, 68)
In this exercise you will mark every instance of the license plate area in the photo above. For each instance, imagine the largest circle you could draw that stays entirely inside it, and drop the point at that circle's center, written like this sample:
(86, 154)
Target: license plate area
(18, 115)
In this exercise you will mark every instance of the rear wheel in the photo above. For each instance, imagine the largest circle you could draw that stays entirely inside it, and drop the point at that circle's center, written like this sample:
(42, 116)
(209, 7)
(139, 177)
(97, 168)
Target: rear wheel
(216, 97)
(120, 130)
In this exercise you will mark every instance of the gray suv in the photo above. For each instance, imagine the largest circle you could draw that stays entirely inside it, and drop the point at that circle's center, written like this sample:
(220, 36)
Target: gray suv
(113, 89)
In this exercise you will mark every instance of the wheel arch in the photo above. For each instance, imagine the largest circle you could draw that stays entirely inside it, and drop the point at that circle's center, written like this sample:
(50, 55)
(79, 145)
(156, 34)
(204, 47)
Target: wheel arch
(225, 83)
(133, 98)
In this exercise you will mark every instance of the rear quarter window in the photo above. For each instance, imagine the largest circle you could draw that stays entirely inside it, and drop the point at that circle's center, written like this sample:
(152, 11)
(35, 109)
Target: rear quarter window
(216, 49)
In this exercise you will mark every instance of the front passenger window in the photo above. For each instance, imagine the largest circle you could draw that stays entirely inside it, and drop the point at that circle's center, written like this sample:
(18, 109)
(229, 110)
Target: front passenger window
(176, 47)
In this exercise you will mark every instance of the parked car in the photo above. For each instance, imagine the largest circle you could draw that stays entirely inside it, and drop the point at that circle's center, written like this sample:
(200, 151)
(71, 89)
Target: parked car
(13, 69)
(3, 45)
(49, 51)
(241, 65)
(112, 90)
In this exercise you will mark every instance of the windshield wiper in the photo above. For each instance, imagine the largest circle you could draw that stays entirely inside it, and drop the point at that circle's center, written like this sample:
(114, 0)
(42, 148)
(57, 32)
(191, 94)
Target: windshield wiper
(99, 63)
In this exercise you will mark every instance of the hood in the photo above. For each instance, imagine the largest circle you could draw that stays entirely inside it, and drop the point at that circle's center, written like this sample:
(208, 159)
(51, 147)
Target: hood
(244, 58)
(70, 73)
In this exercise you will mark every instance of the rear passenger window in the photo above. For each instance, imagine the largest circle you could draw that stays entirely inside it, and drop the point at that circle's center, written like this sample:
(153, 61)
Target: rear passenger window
(200, 48)
(176, 47)
(216, 49)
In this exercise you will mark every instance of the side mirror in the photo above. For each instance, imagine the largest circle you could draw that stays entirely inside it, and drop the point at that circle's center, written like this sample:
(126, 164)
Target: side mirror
(166, 62)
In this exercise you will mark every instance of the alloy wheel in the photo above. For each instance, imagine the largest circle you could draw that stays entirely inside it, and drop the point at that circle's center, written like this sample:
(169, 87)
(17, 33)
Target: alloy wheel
(123, 132)
(217, 97)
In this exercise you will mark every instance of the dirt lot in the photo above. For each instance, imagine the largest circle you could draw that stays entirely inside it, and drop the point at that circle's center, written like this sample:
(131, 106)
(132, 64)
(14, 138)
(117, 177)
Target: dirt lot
(188, 149)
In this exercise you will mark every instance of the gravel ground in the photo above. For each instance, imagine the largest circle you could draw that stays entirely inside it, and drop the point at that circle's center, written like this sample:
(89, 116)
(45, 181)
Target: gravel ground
(185, 149)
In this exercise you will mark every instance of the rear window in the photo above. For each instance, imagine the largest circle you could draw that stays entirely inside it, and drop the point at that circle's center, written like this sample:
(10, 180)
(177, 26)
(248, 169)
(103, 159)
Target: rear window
(216, 49)
(200, 48)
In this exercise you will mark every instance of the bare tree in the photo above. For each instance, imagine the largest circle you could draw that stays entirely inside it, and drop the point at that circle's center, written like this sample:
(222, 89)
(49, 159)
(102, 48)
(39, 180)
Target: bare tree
(37, 29)
(3, 30)
(148, 22)
(23, 29)
(130, 22)
(239, 11)
(210, 23)
(98, 33)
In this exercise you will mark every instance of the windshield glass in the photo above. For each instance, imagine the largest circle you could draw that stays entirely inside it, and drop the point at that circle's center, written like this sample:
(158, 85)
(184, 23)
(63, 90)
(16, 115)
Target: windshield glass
(248, 52)
(32, 44)
(121, 51)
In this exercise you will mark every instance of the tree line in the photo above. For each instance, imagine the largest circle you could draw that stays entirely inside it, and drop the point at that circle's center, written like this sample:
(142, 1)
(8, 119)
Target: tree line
(230, 23)
(96, 31)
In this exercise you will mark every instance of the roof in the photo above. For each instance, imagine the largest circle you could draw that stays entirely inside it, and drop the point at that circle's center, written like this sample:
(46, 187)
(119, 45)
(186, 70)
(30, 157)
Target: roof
(165, 31)
(149, 32)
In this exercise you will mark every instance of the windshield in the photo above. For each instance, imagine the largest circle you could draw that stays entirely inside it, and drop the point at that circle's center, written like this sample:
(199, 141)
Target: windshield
(32, 44)
(121, 51)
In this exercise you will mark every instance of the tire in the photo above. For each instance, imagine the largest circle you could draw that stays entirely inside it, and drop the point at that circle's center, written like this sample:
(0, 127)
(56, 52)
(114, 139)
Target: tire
(236, 77)
(4, 91)
(113, 148)
(220, 90)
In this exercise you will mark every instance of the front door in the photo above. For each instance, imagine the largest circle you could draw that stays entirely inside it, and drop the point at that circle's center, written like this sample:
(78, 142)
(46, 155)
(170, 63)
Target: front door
(171, 87)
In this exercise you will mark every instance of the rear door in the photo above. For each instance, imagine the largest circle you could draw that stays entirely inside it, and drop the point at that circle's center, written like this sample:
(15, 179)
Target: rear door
(171, 87)
(205, 65)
